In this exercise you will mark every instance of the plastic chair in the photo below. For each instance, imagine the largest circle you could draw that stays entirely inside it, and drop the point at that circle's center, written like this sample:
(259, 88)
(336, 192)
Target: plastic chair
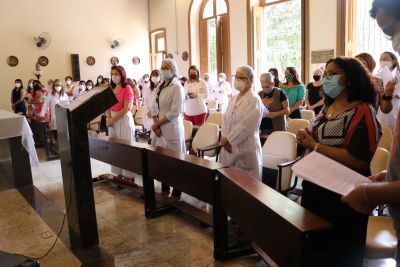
(379, 161)
(279, 153)
(297, 124)
(206, 141)
(308, 115)
(386, 139)
(212, 105)
(215, 117)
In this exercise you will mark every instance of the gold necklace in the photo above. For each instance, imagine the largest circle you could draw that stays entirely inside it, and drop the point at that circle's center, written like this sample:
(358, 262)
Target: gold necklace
(330, 115)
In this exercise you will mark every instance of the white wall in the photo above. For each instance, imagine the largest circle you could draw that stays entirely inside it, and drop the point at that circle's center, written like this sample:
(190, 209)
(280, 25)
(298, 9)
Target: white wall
(82, 27)
(323, 26)
(162, 15)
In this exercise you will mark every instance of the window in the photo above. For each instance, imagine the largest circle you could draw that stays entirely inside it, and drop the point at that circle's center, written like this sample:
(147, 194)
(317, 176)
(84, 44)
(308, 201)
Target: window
(158, 47)
(278, 36)
(214, 38)
(370, 37)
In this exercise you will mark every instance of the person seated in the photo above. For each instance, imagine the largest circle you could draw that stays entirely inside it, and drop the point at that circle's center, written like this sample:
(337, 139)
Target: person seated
(276, 103)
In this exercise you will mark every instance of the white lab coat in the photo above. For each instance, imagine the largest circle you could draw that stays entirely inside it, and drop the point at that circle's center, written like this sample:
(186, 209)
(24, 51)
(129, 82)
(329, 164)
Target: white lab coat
(51, 102)
(170, 105)
(148, 98)
(221, 93)
(240, 124)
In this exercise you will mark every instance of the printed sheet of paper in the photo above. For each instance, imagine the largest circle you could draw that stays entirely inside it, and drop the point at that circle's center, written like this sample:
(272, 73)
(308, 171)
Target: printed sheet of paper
(327, 173)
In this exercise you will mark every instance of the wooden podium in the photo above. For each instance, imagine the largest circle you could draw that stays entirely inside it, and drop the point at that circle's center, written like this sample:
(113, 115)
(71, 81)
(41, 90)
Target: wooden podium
(74, 155)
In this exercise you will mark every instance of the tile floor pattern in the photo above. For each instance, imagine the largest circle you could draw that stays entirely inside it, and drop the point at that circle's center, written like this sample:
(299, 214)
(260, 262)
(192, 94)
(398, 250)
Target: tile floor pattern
(174, 239)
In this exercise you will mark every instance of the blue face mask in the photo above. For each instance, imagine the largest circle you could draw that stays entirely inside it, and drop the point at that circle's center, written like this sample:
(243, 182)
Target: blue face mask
(332, 87)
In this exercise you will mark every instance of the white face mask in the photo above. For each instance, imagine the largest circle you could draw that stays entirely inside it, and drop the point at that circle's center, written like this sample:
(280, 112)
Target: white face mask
(387, 63)
(116, 79)
(30, 85)
(89, 87)
(58, 88)
(18, 85)
(82, 87)
(155, 79)
(239, 85)
(396, 42)
(99, 80)
(69, 82)
(220, 79)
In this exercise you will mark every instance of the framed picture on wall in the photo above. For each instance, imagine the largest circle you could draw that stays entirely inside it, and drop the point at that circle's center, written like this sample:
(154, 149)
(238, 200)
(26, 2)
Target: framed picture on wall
(169, 55)
(114, 61)
(43, 61)
(185, 56)
(12, 61)
(136, 60)
(90, 61)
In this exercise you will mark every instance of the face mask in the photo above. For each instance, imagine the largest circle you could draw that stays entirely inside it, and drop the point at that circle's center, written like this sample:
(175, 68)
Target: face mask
(332, 87)
(99, 80)
(30, 85)
(69, 82)
(155, 79)
(268, 90)
(193, 76)
(89, 87)
(239, 85)
(18, 85)
(82, 87)
(206, 78)
(116, 79)
(58, 88)
(316, 78)
(387, 63)
(221, 79)
(290, 77)
(167, 74)
(396, 42)
(146, 80)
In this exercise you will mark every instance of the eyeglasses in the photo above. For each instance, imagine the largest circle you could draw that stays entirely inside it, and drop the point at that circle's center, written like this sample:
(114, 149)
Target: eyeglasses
(329, 74)
(240, 78)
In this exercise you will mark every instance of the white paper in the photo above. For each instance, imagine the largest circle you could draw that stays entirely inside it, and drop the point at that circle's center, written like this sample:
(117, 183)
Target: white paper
(387, 75)
(327, 173)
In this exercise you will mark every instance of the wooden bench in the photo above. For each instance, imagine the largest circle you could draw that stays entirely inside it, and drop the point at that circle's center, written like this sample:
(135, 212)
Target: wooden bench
(42, 135)
(281, 231)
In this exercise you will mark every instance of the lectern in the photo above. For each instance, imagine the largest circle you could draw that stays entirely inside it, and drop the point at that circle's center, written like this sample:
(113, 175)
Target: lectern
(73, 148)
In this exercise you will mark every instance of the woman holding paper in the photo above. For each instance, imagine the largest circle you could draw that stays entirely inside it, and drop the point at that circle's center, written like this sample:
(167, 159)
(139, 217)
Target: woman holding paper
(348, 132)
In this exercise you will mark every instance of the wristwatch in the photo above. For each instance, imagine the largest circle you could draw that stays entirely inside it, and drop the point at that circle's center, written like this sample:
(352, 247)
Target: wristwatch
(387, 97)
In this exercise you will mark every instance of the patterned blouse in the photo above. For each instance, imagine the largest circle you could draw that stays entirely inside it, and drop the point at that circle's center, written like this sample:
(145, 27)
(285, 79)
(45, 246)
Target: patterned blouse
(356, 129)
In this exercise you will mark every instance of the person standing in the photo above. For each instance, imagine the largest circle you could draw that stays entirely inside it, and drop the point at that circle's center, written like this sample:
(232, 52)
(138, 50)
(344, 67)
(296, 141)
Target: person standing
(18, 98)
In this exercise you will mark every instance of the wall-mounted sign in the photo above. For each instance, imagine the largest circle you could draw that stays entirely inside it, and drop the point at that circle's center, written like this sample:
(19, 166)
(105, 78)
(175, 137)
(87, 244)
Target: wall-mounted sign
(322, 56)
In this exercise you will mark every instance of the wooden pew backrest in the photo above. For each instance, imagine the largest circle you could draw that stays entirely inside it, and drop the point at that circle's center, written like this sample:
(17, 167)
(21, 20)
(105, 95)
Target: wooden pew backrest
(277, 225)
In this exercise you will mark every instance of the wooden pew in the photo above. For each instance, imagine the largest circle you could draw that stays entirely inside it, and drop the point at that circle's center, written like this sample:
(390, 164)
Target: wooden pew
(41, 136)
(281, 231)
(190, 174)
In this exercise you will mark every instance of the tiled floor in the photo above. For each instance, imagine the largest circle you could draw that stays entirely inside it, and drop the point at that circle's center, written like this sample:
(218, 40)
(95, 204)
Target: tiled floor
(175, 239)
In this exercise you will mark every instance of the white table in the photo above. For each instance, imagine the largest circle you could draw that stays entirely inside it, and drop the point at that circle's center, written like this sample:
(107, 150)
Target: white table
(17, 150)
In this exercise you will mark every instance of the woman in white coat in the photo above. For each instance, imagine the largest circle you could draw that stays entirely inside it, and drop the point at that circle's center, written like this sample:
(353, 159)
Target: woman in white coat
(222, 91)
(240, 137)
(57, 96)
(166, 112)
(148, 98)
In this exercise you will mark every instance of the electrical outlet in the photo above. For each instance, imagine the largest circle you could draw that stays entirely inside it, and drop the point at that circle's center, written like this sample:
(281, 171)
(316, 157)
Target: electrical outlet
(46, 235)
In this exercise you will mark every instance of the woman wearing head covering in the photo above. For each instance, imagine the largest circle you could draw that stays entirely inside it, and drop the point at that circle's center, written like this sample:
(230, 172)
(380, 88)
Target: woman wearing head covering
(166, 111)
(240, 136)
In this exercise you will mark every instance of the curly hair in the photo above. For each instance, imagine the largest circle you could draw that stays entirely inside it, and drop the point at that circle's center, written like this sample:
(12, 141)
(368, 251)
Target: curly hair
(359, 84)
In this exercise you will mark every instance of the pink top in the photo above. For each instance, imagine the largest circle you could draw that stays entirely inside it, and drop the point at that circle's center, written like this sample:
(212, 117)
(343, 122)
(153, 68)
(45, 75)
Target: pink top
(122, 95)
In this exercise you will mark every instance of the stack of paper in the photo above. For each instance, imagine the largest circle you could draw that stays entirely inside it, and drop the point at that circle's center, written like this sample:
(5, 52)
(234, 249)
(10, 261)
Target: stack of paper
(327, 173)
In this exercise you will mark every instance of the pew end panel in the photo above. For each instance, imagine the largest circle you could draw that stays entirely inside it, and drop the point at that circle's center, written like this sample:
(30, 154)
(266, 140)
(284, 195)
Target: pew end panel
(281, 230)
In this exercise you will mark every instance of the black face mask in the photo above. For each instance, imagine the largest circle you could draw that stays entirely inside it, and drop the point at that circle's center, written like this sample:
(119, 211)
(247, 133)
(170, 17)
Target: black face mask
(316, 78)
